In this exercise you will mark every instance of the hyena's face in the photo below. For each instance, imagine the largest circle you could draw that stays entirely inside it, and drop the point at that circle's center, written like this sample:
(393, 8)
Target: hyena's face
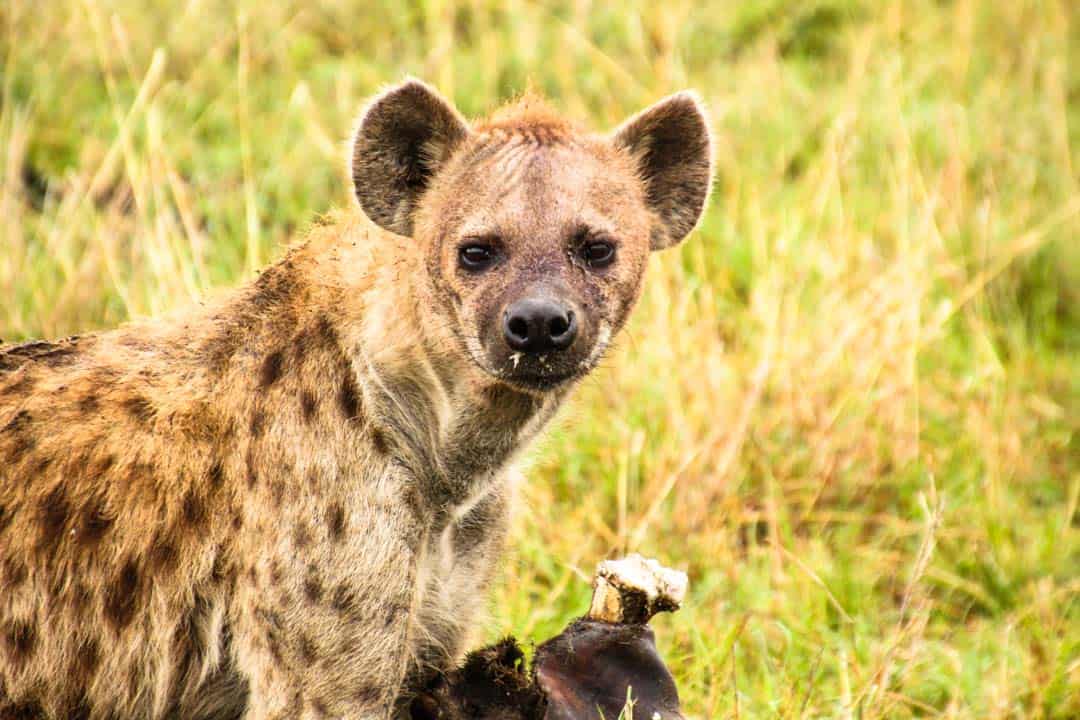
(536, 235)
(538, 245)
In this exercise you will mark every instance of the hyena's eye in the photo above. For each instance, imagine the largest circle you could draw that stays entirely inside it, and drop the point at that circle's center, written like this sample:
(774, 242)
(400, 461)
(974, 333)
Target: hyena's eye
(598, 253)
(477, 256)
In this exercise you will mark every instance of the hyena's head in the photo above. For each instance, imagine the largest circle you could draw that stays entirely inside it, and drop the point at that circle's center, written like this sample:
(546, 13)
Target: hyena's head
(536, 234)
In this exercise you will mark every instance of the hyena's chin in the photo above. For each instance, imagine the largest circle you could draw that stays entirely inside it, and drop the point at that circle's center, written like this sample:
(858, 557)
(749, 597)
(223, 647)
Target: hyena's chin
(539, 384)
(543, 374)
(529, 375)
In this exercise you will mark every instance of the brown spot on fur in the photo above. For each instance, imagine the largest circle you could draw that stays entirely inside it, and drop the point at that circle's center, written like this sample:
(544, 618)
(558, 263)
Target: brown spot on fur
(273, 640)
(313, 588)
(23, 710)
(325, 333)
(252, 475)
(18, 429)
(53, 512)
(86, 661)
(300, 343)
(14, 572)
(20, 640)
(50, 354)
(271, 369)
(122, 596)
(20, 448)
(277, 491)
(139, 408)
(308, 652)
(335, 521)
(286, 601)
(314, 486)
(88, 403)
(309, 404)
(349, 397)
(223, 571)
(78, 708)
(193, 511)
(414, 501)
(344, 598)
(5, 518)
(301, 535)
(216, 475)
(379, 441)
(320, 707)
(275, 572)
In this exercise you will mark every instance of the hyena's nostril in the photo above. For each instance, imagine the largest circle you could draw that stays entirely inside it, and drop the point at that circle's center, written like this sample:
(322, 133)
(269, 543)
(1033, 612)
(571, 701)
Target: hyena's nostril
(558, 326)
(562, 330)
(539, 325)
(518, 328)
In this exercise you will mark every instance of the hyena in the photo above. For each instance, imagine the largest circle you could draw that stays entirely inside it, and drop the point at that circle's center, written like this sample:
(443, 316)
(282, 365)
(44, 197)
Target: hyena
(287, 502)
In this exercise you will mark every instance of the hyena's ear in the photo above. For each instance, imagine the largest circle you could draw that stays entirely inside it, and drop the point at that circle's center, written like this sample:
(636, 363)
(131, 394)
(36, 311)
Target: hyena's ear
(670, 142)
(403, 138)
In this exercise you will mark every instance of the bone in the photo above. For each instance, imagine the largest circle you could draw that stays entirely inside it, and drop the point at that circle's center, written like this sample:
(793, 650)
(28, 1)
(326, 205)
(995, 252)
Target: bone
(633, 589)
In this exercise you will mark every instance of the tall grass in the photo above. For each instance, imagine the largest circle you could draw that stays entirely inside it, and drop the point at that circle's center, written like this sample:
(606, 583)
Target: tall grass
(847, 405)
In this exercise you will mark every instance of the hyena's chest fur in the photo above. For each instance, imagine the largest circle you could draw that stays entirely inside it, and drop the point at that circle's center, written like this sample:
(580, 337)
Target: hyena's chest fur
(405, 569)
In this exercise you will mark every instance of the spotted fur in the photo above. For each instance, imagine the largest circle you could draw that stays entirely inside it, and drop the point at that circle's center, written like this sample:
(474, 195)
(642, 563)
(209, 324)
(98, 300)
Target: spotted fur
(287, 503)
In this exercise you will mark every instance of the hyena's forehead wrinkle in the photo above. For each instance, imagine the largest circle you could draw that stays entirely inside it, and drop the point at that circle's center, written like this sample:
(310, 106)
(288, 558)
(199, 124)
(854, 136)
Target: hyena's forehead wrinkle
(519, 187)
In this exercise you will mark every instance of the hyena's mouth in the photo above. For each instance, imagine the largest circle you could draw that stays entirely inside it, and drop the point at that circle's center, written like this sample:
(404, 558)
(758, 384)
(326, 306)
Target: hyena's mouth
(544, 379)
(532, 374)
(545, 372)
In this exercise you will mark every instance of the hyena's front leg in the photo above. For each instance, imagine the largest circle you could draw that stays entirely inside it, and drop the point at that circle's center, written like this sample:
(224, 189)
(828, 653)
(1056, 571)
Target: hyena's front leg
(321, 628)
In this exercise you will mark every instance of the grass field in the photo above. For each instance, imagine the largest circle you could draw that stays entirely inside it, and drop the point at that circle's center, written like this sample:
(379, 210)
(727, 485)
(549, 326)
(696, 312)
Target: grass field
(848, 405)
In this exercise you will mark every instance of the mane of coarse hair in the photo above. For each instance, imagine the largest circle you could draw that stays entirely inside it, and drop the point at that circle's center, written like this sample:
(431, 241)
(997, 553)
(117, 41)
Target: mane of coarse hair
(527, 113)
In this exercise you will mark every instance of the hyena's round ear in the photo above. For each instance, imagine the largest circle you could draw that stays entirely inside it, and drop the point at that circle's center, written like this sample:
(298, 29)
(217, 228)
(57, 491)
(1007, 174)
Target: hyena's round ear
(402, 139)
(670, 143)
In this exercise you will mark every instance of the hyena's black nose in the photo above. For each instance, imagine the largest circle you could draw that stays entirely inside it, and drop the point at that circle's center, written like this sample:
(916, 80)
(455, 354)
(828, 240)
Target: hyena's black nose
(539, 325)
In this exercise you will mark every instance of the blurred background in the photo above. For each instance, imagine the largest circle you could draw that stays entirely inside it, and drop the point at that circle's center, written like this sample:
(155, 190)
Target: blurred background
(847, 405)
